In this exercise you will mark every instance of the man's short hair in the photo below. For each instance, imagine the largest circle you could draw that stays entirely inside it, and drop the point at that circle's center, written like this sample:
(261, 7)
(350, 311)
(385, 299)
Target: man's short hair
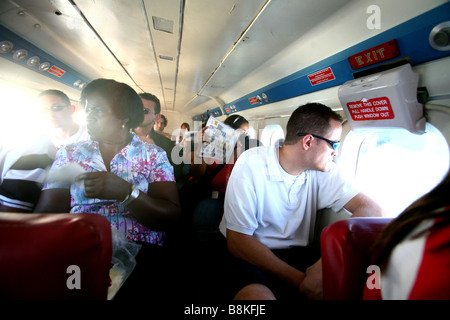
(152, 97)
(163, 117)
(53, 92)
(313, 118)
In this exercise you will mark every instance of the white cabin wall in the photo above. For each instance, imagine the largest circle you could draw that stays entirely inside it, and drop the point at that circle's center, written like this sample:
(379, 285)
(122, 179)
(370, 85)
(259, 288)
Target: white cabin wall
(175, 119)
(435, 75)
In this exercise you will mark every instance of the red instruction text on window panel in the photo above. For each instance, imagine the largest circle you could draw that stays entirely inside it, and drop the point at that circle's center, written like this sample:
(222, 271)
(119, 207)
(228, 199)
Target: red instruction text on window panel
(371, 109)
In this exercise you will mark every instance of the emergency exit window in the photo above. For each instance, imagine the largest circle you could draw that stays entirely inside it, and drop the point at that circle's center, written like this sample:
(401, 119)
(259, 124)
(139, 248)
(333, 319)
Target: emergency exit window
(394, 166)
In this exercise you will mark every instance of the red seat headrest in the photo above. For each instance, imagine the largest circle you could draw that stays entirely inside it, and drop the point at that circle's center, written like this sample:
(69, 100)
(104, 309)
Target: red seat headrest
(346, 251)
(48, 256)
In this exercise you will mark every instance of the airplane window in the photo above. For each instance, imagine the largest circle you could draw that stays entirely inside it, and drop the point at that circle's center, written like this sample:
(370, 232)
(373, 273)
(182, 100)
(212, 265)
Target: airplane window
(21, 120)
(395, 167)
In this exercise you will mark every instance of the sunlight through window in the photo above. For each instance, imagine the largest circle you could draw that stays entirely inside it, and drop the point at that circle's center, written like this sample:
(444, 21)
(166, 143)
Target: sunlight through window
(395, 167)
(20, 117)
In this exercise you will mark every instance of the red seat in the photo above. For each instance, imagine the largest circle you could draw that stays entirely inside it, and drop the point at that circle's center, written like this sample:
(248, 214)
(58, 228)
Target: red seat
(46, 256)
(346, 253)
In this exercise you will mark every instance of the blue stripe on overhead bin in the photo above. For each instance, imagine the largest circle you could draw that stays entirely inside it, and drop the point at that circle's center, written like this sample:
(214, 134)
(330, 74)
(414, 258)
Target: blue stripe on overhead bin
(412, 39)
(70, 77)
(216, 112)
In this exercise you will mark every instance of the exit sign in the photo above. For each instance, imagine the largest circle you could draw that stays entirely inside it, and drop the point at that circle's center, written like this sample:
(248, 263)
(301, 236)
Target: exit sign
(382, 52)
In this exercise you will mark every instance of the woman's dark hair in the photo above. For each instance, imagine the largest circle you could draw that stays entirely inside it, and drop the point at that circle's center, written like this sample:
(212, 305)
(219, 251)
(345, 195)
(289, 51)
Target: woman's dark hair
(311, 118)
(422, 209)
(186, 125)
(123, 100)
(235, 121)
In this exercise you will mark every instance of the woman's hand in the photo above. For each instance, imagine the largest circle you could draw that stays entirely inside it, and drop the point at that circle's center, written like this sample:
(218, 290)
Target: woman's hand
(104, 185)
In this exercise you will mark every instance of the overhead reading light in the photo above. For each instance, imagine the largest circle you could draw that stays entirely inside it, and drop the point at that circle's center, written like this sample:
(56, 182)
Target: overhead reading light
(6, 46)
(23, 53)
(166, 57)
(20, 54)
(44, 66)
(162, 24)
(79, 84)
(33, 61)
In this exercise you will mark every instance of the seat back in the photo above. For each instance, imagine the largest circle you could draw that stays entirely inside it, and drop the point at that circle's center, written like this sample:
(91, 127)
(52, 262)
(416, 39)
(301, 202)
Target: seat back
(54, 256)
(346, 251)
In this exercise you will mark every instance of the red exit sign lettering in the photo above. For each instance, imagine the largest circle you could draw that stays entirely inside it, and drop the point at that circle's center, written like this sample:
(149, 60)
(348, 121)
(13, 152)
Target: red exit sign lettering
(382, 52)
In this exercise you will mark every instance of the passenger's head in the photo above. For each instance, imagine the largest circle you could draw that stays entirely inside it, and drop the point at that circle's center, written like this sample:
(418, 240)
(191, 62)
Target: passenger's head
(314, 130)
(56, 107)
(160, 124)
(237, 122)
(185, 126)
(112, 108)
(311, 118)
(152, 109)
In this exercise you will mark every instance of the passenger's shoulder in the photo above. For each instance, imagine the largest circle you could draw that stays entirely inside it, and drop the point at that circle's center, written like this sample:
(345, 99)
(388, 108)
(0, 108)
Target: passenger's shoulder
(257, 152)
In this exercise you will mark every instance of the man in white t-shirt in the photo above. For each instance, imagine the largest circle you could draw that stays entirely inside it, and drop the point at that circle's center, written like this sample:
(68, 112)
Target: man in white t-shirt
(271, 203)
(58, 110)
(23, 168)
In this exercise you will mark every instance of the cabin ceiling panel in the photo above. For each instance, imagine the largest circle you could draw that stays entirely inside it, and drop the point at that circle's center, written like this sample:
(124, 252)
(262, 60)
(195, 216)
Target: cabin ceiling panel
(210, 30)
(164, 28)
(62, 33)
(279, 25)
(123, 27)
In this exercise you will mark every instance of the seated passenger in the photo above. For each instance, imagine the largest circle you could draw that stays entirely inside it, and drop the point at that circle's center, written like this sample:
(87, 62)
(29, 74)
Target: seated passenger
(128, 181)
(271, 201)
(413, 252)
(58, 111)
(208, 212)
(24, 167)
(145, 131)
(181, 133)
(201, 165)
(160, 125)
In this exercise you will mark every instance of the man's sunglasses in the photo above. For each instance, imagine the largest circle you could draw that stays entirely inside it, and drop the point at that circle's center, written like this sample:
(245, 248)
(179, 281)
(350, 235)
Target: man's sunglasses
(333, 144)
(57, 108)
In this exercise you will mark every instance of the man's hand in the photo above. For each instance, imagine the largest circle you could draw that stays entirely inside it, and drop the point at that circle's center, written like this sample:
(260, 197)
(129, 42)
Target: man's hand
(312, 286)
